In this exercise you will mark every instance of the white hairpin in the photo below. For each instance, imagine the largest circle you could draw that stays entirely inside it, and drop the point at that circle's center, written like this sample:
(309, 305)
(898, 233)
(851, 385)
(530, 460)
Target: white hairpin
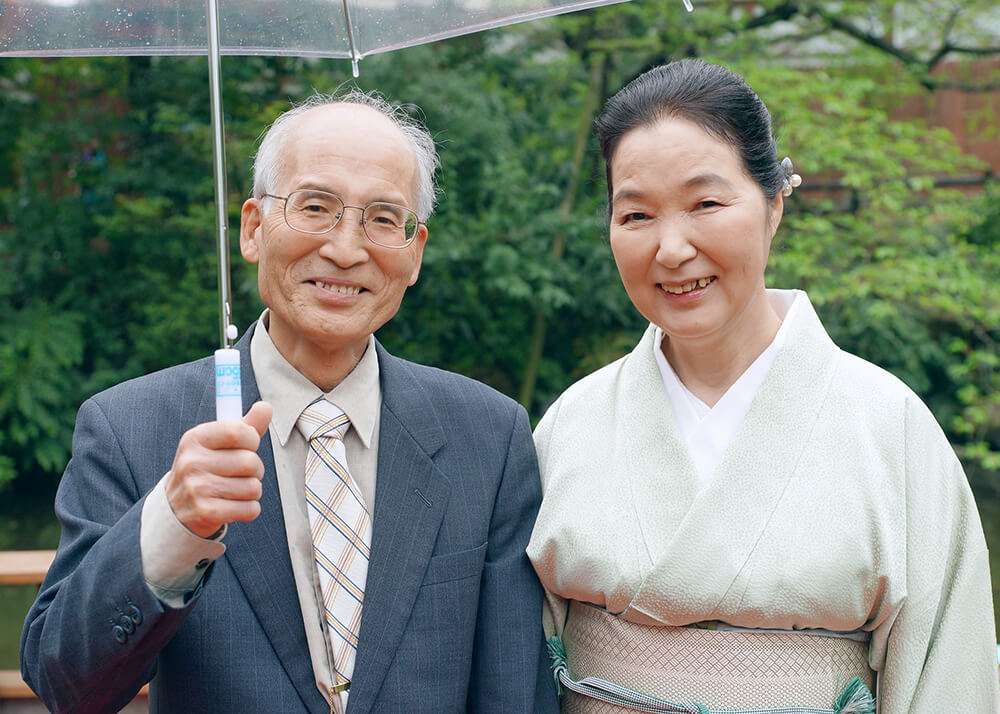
(792, 180)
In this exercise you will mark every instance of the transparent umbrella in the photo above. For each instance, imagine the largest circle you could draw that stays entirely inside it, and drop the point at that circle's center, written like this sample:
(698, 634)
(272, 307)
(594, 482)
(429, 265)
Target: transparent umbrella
(349, 29)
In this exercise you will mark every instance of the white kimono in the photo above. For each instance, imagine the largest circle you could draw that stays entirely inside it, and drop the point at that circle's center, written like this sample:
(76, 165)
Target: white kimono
(838, 505)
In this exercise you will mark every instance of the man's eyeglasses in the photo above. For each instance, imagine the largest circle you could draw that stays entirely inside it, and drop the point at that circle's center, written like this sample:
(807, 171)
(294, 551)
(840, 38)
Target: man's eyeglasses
(316, 212)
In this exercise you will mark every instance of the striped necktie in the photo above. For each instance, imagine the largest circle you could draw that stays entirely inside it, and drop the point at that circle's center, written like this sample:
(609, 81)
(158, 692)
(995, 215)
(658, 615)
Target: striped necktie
(341, 532)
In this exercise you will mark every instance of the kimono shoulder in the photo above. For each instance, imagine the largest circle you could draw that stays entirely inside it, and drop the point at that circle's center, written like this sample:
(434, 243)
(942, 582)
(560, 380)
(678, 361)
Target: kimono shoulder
(588, 402)
(895, 419)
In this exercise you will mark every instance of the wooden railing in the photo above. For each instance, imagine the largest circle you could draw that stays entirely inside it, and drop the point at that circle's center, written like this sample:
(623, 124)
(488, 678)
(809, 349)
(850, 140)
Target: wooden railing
(25, 567)
(21, 567)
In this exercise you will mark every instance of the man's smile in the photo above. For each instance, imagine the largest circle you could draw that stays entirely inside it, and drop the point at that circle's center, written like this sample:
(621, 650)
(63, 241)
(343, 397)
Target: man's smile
(333, 286)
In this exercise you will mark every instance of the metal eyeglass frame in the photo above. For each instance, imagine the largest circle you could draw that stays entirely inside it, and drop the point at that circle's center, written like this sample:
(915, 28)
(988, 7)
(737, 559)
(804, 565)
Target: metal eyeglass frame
(364, 228)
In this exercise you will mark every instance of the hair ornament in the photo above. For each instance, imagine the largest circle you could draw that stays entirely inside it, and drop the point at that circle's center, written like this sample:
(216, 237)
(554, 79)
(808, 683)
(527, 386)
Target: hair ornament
(792, 180)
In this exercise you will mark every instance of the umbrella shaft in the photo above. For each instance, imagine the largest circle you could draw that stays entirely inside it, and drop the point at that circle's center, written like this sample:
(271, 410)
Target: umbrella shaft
(215, 88)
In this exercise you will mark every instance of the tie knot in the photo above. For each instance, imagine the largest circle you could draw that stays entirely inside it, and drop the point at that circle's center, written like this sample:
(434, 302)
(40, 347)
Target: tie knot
(323, 418)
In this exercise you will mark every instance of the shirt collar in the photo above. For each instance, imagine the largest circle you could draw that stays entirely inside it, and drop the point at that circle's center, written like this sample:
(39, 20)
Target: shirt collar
(359, 394)
(785, 303)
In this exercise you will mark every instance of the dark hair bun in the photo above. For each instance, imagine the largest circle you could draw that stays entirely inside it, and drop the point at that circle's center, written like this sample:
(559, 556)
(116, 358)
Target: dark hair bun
(713, 97)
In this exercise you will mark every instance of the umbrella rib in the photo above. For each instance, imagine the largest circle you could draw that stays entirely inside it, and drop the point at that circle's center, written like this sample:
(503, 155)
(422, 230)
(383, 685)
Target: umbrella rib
(350, 39)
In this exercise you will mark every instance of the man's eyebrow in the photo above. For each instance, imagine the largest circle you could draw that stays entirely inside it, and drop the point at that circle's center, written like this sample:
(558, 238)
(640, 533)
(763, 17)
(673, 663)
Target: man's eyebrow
(308, 185)
(381, 198)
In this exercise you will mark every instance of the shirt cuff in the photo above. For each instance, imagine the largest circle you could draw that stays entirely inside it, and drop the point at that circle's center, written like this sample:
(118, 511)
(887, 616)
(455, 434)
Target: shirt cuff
(174, 560)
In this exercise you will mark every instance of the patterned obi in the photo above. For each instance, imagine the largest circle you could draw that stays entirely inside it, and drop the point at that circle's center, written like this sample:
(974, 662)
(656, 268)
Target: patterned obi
(605, 664)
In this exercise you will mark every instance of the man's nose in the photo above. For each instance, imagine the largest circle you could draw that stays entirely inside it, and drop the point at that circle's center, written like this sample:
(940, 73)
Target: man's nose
(675, 247)
(346, 244)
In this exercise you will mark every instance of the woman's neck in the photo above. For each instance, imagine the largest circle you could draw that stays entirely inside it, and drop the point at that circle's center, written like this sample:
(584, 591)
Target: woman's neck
(708, 366)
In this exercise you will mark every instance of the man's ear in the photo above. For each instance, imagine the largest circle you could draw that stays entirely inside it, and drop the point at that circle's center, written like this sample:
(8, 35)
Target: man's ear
(250, 230)
(417, 246)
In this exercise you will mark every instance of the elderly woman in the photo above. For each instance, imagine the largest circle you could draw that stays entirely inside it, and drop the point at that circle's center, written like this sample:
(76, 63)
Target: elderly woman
(738, 515)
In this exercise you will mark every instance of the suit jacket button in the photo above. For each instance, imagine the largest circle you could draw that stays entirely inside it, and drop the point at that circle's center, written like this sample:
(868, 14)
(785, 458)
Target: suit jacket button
(202, 564)
(134, 614)
(120, 635)
(126, 624)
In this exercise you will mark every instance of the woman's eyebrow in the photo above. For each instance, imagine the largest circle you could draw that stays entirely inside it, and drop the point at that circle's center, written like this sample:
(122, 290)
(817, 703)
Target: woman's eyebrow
(707, 180)
(626, 195)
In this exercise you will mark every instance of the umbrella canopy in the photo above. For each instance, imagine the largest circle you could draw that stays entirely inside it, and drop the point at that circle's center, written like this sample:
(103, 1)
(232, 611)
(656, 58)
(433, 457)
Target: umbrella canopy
(350, 29)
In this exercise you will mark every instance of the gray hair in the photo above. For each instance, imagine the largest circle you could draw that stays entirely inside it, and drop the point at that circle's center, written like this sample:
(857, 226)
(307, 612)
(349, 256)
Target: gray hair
(270, 160)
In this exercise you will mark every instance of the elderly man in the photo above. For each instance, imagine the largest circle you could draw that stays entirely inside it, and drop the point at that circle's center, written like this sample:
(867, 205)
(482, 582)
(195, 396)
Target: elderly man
(361, 547)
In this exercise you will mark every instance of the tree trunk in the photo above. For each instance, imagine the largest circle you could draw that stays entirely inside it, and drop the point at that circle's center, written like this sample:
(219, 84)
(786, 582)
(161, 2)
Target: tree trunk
(591, 104)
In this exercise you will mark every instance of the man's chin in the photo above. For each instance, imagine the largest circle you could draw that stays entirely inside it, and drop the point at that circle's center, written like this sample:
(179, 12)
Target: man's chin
(324, 328)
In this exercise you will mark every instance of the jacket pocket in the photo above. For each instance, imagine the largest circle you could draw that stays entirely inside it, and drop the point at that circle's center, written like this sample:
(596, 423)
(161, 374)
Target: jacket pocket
(455, 566)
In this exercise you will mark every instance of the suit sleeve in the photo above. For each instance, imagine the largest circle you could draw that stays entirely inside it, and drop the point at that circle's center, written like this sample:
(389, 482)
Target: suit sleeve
(510, 666)
(941, 647)
(91, 638)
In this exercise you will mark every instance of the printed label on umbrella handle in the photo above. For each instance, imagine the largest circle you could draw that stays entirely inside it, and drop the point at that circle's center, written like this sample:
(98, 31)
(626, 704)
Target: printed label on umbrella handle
(228, 386)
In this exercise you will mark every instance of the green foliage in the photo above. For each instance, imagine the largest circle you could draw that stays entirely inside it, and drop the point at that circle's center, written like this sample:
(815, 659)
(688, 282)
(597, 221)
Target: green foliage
(905, 274)
(107, 223)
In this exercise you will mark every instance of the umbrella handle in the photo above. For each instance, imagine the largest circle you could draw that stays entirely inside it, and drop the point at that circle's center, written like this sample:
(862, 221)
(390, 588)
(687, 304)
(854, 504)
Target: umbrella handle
(228, 386)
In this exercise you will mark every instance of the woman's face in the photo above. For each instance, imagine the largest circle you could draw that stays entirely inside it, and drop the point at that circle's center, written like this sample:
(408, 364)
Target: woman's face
(690, 230)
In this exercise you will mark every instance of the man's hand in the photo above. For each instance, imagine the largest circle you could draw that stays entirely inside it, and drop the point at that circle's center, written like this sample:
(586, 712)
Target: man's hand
(216, 475)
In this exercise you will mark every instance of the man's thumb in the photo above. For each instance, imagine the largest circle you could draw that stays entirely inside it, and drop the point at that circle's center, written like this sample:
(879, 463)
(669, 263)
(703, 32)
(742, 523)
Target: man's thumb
(259, 417)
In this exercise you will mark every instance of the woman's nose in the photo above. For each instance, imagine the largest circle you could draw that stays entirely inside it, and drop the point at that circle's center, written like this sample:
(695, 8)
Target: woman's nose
(674, 248)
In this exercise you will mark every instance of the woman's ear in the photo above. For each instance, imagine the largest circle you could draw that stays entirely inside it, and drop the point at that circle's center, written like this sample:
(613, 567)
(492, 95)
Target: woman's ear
(775, 211)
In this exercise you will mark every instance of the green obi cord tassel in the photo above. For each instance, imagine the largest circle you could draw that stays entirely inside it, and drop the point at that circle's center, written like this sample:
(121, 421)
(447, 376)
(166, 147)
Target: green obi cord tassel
(557, 653)
(855, 699)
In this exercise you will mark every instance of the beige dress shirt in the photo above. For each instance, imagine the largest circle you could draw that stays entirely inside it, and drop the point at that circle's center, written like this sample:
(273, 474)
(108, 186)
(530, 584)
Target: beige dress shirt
(171, 554)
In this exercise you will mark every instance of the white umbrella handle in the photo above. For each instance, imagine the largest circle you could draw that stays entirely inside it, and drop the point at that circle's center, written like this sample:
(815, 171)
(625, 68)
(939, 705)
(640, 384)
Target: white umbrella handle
(228, 386)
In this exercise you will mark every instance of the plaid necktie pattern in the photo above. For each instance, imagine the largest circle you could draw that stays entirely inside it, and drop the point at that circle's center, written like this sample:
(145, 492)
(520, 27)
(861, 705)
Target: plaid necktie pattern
(341, 528)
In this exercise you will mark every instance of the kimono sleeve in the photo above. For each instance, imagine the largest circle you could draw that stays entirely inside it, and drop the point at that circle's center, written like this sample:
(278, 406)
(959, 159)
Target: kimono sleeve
(555, 608)
(941, 646)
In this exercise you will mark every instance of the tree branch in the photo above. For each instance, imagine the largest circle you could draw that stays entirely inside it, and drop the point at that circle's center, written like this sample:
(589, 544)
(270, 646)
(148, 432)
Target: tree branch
(933, 83)
(785, 11)
(942, 52)
(978, 51)
(841, 25)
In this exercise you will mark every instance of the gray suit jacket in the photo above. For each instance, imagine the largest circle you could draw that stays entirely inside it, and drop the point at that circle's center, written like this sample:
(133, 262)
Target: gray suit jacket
(452, 609)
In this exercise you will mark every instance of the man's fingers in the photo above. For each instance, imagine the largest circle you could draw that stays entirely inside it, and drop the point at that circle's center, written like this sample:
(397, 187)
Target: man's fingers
(259, 417)
(233, 463)
(228, 511)
(217, 475)
(233, 489)
(226, 435)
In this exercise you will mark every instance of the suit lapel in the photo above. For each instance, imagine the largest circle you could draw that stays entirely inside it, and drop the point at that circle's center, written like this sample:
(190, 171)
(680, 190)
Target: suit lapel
(410, 498)
(258, 554)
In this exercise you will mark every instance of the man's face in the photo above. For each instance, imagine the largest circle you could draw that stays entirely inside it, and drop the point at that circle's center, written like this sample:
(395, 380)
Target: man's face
(329, 292)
